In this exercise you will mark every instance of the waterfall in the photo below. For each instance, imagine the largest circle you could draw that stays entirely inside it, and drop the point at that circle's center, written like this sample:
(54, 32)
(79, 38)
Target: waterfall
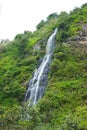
(38, 83)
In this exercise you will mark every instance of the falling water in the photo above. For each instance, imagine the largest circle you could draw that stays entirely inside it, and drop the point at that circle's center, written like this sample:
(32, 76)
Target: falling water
(38, 83)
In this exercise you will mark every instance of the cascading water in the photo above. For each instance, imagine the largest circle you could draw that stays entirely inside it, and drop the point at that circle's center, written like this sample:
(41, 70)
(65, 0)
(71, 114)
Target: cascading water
(38, 83)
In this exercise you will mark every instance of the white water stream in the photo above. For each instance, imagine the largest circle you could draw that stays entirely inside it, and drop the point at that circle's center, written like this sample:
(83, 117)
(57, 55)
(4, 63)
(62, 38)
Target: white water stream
(38, 82)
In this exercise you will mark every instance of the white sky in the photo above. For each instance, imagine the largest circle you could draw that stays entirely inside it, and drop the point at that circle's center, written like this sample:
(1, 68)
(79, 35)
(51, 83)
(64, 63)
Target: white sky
(16, 16)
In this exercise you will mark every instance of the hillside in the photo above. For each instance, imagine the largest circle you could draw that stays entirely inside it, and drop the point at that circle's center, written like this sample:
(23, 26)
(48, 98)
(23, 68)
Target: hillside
(64, 104)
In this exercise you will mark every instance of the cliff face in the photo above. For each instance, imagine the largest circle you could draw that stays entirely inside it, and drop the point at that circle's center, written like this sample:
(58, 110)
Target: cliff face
(80, 40)
(63, 105)
(83, 35)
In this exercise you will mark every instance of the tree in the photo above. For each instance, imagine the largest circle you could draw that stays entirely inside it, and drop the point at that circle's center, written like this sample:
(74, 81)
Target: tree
(41, 24)
(53, 15)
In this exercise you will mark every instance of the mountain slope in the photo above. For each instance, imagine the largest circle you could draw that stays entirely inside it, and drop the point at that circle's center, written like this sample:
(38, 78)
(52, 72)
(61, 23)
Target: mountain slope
(64, 105)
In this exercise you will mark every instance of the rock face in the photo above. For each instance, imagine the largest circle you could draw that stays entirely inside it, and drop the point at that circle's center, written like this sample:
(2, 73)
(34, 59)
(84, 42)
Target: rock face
(38, 46)
(84, 29)
(83, 32)
(83, 42)
(81, 38)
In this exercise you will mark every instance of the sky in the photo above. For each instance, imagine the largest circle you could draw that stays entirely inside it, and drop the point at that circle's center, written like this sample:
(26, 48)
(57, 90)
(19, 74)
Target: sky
(16, 16)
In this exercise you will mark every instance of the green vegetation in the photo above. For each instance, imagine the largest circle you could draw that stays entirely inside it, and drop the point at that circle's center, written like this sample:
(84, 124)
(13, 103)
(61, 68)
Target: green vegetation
(64, 104)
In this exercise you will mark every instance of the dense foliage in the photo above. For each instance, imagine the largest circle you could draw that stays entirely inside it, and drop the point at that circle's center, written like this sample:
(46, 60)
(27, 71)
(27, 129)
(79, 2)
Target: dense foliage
(64, 105)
